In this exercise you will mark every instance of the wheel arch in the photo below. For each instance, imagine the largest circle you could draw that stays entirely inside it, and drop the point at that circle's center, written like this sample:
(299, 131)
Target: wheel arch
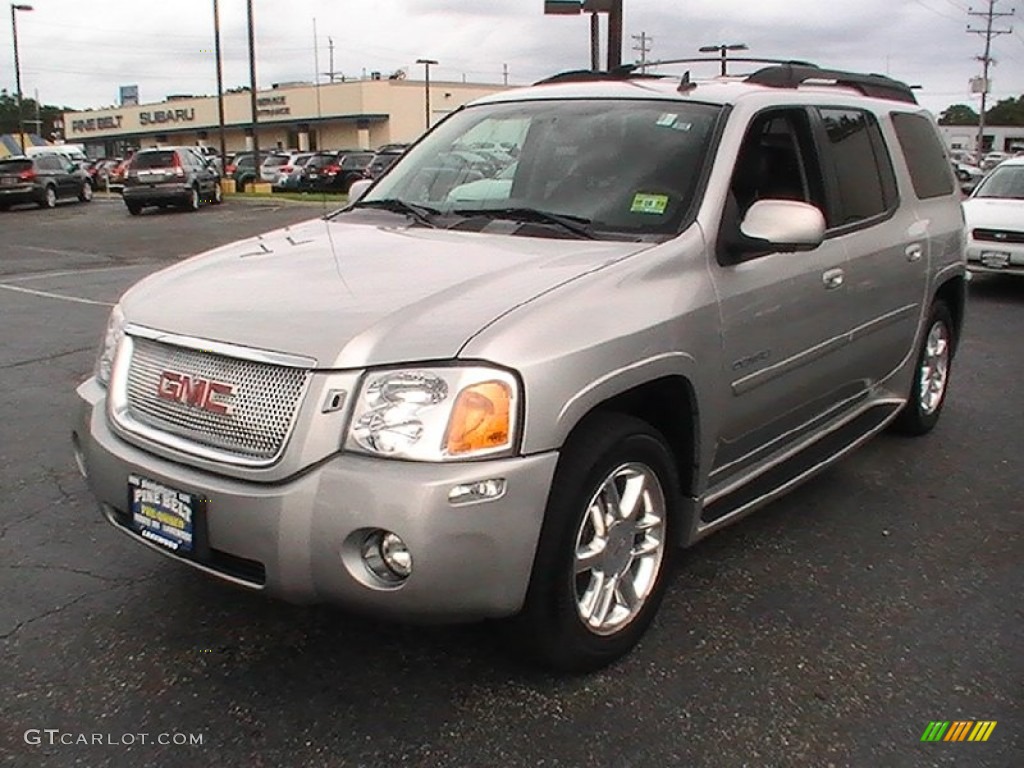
(953, 293)
(669, 404)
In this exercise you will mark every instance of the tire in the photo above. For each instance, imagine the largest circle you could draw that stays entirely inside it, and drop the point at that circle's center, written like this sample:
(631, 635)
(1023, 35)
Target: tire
(218, 194)
(85, 194)
(49, 197)
(574, 618)
(134, 208)
(921, 412)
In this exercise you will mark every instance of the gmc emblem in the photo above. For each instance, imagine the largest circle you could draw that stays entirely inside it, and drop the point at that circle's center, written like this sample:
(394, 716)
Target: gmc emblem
(212, 396)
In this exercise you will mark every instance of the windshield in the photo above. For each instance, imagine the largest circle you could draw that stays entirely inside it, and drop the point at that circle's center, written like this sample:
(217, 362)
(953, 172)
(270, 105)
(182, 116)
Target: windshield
(1004, 181)
(621, 166)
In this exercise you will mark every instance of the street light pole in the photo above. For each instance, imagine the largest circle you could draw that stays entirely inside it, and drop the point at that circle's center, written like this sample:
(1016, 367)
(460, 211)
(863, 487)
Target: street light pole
(426, 84)
(17, 69)
(723, 49)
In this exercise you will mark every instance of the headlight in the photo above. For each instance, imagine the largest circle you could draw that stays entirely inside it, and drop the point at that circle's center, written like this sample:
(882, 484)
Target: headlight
(108, 349)
(436, 414)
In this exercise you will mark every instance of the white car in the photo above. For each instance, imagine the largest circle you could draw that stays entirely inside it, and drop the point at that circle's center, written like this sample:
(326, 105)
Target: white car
(995, 220)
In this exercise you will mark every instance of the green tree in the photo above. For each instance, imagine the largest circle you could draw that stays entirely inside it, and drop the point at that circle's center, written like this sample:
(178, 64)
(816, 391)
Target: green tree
(48, 114)
(958, 114)
(1006, 112)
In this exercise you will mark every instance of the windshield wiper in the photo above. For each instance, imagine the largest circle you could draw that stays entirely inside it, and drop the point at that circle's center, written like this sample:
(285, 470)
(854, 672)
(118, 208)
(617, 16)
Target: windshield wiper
(420, 213)
(578, 225)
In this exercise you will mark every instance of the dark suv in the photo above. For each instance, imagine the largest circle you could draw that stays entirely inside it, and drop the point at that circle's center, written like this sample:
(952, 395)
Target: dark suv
(242, 169)
(176, 176)
(335, 171)
(43, 180)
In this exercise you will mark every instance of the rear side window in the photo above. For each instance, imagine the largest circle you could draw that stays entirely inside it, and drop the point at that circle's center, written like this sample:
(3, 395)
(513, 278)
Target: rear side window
(865, 180)
(355, 161)
(275, 160)
(163, 159)
(49, 163)
(926, 159)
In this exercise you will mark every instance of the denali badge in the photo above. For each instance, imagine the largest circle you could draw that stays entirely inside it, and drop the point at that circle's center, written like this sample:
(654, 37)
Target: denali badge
(212, 396)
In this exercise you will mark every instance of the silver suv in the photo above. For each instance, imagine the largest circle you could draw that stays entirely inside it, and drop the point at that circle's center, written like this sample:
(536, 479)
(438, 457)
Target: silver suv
(685, 299)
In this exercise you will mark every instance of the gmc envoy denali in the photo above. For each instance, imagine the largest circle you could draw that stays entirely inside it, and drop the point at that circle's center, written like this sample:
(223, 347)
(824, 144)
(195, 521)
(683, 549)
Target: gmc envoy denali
(679, 300)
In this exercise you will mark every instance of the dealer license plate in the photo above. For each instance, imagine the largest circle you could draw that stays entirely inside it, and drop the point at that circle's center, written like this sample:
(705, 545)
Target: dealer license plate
(162, 515)
(995, 259)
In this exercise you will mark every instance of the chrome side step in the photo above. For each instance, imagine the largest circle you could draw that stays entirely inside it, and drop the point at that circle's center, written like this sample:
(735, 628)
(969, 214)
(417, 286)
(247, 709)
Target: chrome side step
(801, 465)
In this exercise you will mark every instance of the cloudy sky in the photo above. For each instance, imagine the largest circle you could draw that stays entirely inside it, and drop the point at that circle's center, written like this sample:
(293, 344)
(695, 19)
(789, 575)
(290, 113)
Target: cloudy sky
(77, 53)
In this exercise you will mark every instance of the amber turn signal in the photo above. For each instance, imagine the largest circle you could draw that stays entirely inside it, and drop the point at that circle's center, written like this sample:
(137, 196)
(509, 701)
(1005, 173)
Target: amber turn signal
(481, 419)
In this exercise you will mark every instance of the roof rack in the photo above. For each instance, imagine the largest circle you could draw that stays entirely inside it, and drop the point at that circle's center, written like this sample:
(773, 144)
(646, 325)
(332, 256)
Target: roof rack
(784, 73)
(592, 75)
(794, 74)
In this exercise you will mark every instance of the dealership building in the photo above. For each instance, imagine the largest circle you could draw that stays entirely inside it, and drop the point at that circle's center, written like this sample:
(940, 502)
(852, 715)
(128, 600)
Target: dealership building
(353, 114)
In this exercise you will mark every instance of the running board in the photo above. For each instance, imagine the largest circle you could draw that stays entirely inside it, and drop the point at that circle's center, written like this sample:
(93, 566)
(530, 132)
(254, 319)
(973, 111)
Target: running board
(800, 466)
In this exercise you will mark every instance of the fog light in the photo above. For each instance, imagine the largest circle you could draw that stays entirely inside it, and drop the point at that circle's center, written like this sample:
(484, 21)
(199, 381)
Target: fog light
(484, 490)
(386, 556)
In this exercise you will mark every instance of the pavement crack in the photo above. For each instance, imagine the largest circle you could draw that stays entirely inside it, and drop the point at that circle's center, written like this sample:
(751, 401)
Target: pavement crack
(46, 358)
(62, 568)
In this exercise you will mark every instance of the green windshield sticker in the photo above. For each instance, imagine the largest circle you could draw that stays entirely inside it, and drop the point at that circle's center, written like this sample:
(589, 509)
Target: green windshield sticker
(643, 203)
(667, 119)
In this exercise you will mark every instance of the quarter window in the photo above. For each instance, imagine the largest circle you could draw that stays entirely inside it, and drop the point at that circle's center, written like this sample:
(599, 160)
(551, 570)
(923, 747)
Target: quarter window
(860, 164)
(926, 159)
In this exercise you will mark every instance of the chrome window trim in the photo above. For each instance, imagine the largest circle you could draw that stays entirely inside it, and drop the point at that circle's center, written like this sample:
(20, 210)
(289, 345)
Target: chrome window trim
(131, 429)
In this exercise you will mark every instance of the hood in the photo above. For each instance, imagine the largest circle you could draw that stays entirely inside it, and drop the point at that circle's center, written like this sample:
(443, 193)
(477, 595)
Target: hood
(994, 213)
(354, 295)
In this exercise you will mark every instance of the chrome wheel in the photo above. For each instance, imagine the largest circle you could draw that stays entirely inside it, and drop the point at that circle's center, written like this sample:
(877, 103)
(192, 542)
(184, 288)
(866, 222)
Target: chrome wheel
(620, 546)
(934, 368)
(51, 197)
(193, 201)
(218, 194)
(86, 192)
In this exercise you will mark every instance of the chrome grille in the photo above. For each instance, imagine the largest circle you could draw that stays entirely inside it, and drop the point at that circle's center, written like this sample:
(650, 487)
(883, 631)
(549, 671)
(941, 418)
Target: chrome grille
(264, 402)
(999, 236)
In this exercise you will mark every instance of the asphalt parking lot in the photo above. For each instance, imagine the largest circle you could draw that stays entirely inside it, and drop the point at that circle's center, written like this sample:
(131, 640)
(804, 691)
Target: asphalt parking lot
(827, 630)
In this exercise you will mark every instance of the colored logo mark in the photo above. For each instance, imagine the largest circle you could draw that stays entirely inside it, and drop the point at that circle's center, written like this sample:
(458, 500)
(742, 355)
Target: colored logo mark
(958, 730)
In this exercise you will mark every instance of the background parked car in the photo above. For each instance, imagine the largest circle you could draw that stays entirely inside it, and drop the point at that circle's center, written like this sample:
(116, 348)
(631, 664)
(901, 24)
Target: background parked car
(270, 163)
(176, 176)
(242, 169)
(384, 159)
(992, 159)
(968, 176)
(43, 180)
(289, 176)
(994, 215)
(336, 171)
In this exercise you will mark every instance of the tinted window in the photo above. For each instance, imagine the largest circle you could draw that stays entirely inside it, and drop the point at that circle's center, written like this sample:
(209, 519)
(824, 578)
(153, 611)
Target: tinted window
(926, 158)
(863, 171)
(50, 163)
(350, 162)
(161, 159)
(275, 160)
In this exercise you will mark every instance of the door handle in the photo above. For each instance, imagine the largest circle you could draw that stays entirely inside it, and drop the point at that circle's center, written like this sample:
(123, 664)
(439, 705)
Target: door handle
(833, 278)
(914, 252)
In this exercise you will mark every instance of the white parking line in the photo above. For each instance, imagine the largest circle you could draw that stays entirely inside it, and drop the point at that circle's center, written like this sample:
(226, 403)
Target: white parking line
(66, 272)
(48, 295)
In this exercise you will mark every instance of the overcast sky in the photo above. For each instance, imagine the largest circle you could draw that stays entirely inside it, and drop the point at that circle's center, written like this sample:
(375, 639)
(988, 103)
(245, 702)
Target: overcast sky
(77, 53)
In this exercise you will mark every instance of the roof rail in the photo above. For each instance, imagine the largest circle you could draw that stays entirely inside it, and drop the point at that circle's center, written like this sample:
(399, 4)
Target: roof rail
(590, 75)
(718, 60)
(792, 75)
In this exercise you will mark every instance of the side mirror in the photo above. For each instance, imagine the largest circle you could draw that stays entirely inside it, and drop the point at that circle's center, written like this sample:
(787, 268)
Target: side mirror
(782, 225)
(358, 189)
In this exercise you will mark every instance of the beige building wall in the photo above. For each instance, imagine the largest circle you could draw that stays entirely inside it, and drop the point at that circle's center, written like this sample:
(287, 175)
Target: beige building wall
(363, 113)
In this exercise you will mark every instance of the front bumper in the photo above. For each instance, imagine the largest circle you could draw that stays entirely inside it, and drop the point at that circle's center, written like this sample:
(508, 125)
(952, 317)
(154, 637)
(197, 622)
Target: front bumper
(980, 257)
(298, 539)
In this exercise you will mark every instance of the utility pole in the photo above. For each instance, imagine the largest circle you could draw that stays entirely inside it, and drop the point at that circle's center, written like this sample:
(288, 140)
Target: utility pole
(252, 93)
(504, 73)
(643, 47)
(615, 35)
(986, 59)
